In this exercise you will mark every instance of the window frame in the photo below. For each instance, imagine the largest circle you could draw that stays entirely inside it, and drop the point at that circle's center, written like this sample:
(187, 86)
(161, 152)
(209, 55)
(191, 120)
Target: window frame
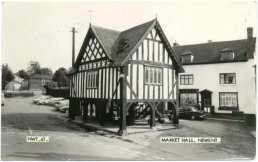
(149, 75)
(228, 107)
(189, 91)
(188, 75)
(227, 56)
(223, 74)
(92, 79)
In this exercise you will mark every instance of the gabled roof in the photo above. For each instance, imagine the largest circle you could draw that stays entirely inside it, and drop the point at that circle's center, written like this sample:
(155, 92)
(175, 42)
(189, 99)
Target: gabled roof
(106, 37)
(41, 76)
(127, 41)
(211, 52)
(119, 46)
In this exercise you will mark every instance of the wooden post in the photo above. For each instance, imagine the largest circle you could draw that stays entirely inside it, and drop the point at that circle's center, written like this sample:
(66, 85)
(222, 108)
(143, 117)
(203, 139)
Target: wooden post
(175, 114)
(85, 112)
(123, 104)
(102, 109)
(71, 109)
(152, 119)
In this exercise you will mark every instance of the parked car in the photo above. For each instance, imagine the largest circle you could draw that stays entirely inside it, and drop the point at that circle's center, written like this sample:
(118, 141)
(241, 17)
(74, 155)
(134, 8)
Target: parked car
(2, 99)
(43, 101)
(190, 112)
(63, 108)
(54, 101)
(41, 98)
(61, 103)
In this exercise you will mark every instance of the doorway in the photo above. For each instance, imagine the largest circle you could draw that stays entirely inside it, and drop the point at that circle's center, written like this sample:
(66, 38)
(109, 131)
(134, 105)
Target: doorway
(206, 100)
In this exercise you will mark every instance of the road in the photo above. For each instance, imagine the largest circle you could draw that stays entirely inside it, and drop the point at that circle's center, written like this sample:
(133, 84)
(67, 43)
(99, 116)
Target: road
(237, 143)
(21, 118)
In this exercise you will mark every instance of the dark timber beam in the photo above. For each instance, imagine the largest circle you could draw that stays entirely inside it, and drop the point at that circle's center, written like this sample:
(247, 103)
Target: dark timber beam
(71, 110)
(85, 112)
(123, 104)
(152, 115)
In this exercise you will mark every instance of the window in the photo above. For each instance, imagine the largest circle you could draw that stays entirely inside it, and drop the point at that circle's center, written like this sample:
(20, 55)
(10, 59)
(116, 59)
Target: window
(153, 75)
(228, 78)
(92, 79)
(227, 54)
(186, 59)
(188, 97)
(228, 101)
(186, 79)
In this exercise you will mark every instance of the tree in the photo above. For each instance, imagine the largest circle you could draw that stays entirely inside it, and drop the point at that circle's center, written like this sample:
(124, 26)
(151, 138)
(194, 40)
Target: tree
(60, 76)
(7, 75)
(34, 68)
(23, 74)
(46, 71)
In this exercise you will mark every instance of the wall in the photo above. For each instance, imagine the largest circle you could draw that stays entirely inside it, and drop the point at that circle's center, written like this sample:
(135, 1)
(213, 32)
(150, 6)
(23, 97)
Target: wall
(107, 84)
(151, 52)
(206, 76)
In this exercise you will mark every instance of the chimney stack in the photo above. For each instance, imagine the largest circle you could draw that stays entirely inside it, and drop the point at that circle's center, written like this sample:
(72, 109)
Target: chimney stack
(250, 43)
(249, 32)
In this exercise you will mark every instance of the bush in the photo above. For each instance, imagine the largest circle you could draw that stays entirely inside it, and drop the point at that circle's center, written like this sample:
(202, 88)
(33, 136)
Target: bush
(18, 93)
(27, 93)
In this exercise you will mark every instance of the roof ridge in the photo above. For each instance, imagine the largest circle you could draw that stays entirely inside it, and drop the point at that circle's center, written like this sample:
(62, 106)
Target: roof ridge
(139, 25)
(105, 29)
(210, 43)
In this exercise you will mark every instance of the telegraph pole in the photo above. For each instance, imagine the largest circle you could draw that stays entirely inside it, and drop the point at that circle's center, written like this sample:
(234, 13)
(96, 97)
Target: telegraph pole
(73, 45)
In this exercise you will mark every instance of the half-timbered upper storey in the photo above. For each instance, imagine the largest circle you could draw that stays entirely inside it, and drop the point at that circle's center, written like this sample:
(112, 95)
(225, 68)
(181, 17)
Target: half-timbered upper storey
(151, 63)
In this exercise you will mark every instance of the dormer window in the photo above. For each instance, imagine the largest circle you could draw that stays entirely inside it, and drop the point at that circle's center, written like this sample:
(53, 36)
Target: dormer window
(187, 57)
(227, 54)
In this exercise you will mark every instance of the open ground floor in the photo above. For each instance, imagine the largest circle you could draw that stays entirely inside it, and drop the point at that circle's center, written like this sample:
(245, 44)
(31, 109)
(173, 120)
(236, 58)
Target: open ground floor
(147, 113)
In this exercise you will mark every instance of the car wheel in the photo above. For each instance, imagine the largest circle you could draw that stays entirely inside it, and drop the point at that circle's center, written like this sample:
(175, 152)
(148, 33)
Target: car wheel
(193, 117)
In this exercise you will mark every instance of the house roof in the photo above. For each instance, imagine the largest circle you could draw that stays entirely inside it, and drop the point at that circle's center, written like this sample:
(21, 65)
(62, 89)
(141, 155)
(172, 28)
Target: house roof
(119, 46)
(41, 76)
(211, 52)
(18, 79)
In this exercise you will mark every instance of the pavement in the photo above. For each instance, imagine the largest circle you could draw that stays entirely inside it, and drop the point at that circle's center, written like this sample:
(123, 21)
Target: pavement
(68, 141)
(139, 127)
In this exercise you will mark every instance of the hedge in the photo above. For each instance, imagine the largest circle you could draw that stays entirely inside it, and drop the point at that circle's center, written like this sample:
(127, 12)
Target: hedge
(18, 93)
(58, 92)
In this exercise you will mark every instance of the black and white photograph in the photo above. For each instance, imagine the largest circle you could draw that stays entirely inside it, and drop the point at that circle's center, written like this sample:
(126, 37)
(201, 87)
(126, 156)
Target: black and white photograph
(143, 80)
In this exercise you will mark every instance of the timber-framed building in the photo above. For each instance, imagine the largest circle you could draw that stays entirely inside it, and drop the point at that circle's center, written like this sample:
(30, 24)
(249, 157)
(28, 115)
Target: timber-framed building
(115, 71)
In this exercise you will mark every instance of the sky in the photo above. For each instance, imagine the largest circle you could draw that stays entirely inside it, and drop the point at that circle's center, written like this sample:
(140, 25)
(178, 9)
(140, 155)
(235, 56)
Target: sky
(40, 31)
